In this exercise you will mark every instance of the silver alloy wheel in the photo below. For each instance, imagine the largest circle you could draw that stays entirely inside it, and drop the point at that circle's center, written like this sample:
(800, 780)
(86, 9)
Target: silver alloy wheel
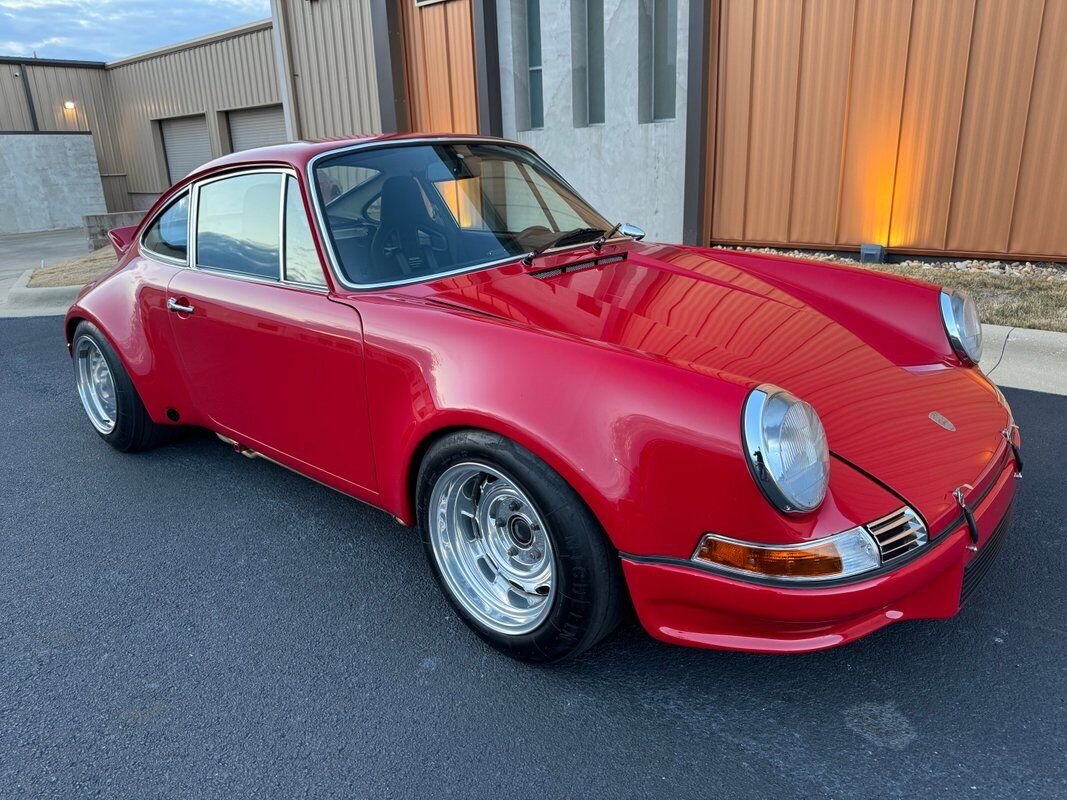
(96, 384)
(492, 548)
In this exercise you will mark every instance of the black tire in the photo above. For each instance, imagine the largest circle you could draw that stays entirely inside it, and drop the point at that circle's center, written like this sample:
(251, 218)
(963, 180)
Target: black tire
(134, 430)
(590, 597)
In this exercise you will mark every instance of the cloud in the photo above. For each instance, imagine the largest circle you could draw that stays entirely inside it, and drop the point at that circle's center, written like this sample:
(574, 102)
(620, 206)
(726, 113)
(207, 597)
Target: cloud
(103, 30)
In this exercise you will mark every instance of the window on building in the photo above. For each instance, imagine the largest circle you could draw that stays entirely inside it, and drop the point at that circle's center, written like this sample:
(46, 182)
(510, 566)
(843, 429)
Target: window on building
(533, 63)
(587, 59)
(301, 258)
(168, 236)
(658, 59)
(237, 224)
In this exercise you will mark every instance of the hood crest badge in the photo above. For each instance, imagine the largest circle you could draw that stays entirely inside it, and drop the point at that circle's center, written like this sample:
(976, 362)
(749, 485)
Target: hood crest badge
(942, 420)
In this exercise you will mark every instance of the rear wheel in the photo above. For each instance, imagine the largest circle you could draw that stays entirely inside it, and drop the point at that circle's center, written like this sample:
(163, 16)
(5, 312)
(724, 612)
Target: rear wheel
(107, 394)
(515, 549)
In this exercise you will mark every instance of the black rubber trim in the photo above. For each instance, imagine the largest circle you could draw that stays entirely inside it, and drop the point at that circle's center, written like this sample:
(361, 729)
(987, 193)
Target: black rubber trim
(918, 552)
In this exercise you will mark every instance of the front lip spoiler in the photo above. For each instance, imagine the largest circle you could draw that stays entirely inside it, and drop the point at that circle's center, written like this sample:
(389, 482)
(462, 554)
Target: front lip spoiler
(935, 540)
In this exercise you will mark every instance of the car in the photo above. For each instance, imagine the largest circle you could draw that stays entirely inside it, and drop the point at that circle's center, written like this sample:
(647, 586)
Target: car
(749, 451)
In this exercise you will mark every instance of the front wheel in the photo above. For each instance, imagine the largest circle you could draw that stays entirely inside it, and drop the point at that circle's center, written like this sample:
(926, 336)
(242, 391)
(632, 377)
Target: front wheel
(515, 549)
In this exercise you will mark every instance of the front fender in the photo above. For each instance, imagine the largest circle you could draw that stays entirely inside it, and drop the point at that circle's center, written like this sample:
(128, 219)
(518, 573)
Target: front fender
(654, 450)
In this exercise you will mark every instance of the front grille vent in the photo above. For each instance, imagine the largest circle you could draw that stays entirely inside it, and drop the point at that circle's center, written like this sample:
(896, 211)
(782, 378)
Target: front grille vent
(578, 265)
(978, 567)
(898, 533)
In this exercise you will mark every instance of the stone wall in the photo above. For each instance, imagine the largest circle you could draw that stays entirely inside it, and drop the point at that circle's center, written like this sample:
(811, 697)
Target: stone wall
(48, 181)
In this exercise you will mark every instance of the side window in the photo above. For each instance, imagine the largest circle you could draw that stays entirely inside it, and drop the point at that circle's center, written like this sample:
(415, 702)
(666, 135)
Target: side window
(301, 259)
(237, 224)
(169, 234)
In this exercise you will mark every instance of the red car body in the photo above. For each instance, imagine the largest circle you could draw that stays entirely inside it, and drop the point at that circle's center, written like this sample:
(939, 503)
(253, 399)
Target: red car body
(628, 379)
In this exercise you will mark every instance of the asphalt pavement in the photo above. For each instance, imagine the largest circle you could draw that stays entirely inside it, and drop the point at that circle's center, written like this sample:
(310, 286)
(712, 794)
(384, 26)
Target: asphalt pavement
(189, 623)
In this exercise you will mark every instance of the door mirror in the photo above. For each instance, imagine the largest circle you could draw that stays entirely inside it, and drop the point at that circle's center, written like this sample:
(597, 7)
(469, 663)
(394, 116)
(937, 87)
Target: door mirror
(632, 231)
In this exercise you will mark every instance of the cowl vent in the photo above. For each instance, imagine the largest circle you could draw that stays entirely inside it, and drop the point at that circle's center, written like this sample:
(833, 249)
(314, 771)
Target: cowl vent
(578, 265)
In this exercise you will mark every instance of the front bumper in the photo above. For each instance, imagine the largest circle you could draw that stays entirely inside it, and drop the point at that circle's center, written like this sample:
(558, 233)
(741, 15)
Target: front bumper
(682, 603)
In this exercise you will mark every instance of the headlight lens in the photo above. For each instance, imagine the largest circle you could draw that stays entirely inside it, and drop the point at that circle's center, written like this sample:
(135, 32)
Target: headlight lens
(786, 448)
(839, 556)
(960, 315)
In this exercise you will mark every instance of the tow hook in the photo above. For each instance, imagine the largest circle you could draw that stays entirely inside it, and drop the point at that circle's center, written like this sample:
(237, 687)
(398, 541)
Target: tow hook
(1009, 434)
(972, 526)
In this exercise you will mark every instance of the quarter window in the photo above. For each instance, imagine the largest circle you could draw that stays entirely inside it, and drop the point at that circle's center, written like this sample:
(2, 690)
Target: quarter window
(301, 259)
(237, 224)
(168, 236)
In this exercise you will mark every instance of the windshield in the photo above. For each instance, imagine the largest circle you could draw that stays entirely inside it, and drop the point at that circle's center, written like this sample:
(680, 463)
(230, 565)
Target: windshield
(407, 212)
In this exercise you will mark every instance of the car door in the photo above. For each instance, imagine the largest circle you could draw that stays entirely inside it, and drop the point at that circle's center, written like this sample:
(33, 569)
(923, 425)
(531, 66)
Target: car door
(269, 359)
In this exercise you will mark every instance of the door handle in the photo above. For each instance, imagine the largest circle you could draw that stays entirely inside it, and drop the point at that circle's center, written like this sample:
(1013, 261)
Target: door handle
(174, 305)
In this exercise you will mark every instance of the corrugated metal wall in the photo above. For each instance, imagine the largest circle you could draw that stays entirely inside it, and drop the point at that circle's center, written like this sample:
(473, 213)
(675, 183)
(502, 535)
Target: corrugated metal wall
(210, 78)
(14, 115)
(439, 61)
(331, 52)
(93, 111)
(923, 125)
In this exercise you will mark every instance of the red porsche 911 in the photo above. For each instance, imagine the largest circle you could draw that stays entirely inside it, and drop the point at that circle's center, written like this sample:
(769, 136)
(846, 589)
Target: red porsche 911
(756, 453)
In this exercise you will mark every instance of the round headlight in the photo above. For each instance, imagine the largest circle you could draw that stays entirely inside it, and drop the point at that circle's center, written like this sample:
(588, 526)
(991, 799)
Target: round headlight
(786, 448)
(960, 315)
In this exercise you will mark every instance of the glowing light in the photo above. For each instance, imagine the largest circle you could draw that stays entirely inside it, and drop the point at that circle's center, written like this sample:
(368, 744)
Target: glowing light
(69, 105)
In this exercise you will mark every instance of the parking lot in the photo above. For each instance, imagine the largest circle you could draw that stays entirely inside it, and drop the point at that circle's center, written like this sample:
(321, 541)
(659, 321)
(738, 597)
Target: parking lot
(187, 622)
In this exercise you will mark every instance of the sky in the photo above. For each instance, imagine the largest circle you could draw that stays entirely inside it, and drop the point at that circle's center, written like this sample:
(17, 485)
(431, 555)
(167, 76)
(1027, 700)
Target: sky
(103, 30)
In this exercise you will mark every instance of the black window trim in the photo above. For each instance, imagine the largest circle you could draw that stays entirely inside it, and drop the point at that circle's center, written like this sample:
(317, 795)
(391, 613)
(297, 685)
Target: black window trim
(280, 280)
(148, 251)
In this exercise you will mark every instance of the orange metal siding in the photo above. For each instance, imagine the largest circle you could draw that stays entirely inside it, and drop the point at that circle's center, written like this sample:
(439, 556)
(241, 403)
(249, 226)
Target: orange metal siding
(923, 125)
(439, 56)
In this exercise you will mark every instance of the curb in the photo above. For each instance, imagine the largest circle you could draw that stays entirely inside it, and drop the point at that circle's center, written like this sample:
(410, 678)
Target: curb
(22, 301)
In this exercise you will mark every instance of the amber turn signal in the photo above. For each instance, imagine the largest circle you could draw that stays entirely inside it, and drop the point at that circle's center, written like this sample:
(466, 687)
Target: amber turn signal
(833, 557)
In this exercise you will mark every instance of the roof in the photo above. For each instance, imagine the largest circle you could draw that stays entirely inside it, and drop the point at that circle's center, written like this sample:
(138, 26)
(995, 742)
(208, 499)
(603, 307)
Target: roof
(188, 44)
(300, 153)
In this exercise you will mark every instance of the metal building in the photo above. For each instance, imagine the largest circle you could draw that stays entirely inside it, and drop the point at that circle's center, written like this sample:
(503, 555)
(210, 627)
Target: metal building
(929, 126)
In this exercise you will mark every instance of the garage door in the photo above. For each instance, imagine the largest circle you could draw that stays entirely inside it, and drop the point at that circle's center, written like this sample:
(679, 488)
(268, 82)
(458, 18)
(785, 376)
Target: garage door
(256, 127)
(186, 145)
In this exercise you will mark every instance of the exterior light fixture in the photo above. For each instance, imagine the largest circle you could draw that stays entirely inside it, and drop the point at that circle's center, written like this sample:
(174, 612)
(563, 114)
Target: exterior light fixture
(69, 105)
(872, 254)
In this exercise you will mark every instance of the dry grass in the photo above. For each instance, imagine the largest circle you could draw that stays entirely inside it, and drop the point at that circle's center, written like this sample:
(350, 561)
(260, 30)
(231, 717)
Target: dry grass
(1026, 295)
(1002, 300)
(76, 271)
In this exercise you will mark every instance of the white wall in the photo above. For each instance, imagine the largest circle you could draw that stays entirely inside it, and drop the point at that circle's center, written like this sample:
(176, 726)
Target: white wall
(629, 171)
(47, 181)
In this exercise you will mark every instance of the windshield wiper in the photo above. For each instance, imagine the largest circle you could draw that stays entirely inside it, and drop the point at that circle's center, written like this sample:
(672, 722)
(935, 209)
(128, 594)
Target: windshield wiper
(598, 245)
(575, 234)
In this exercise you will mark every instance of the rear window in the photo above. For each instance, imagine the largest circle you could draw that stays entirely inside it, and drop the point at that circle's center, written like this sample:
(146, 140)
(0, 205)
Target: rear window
(168, 236)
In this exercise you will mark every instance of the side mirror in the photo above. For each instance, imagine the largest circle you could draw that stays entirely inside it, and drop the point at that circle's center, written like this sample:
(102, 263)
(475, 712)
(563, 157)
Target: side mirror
(632, 231)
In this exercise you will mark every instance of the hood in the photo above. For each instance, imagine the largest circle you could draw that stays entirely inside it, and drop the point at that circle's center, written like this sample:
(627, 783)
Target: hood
(701, 313)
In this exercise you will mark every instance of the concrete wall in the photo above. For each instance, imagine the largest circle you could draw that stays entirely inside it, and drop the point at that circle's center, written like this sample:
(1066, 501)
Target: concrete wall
(47, 182)
(97, 226)
(630, 171)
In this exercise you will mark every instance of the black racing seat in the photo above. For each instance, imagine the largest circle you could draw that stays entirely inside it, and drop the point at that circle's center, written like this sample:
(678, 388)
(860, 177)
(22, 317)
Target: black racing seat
(408, 242)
